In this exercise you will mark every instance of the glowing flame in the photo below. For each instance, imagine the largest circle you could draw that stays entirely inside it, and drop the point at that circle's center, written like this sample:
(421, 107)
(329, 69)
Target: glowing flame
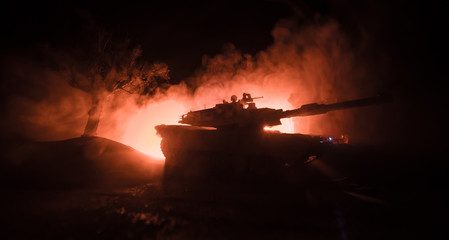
(287, 126)
(279, 102)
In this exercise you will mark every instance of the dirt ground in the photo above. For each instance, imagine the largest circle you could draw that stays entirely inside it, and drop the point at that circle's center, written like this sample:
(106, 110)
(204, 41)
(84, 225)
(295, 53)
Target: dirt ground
(352, 194)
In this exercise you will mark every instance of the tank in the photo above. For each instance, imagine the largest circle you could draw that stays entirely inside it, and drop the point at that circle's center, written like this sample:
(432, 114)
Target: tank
(228, 143)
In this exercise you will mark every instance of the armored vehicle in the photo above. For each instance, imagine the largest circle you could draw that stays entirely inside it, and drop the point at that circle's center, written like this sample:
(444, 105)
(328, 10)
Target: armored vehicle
(227, 143)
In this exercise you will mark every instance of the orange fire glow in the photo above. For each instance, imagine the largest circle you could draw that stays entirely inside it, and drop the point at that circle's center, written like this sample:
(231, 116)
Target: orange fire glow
(287, 126)
(139, 131)
(322, 71)
(303, 65)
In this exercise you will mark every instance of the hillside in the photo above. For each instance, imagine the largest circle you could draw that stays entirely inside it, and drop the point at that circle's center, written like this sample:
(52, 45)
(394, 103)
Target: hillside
(84, 162)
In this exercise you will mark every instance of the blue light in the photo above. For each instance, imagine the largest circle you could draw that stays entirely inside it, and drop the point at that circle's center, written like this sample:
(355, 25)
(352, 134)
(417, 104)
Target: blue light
(330, 139)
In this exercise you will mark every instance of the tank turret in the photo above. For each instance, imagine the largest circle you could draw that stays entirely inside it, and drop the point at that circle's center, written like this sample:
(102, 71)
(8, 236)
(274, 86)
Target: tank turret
(243, 113)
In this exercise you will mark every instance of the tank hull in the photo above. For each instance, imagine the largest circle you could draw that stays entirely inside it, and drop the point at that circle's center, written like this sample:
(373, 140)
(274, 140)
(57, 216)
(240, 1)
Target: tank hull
(196, 155)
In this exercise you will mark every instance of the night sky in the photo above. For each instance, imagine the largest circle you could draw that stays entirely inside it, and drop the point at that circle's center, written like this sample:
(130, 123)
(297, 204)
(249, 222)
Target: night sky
(180, 33)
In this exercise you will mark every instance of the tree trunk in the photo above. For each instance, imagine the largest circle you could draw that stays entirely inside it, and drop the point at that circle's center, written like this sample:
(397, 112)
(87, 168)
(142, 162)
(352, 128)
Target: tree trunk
(94, 116)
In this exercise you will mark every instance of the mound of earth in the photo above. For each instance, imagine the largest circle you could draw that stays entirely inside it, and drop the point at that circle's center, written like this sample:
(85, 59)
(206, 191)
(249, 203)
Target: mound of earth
(84, 162)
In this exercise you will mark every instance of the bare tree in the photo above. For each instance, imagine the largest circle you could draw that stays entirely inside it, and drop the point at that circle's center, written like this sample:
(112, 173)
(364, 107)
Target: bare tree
(114, 65)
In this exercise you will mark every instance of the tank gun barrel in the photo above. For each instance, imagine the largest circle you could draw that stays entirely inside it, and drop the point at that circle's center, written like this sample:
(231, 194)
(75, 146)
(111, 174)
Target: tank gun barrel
(234, 115)
(315, 108)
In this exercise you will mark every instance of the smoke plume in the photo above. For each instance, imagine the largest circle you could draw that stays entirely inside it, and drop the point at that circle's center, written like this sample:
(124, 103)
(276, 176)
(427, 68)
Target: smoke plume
(308, 63)
(313, 62)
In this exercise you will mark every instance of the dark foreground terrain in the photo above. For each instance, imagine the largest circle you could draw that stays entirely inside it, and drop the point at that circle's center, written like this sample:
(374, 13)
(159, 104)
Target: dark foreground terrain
(352, 193)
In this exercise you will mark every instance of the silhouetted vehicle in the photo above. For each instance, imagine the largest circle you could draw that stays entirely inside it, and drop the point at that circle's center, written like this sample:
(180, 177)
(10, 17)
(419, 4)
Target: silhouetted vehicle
(227, 143)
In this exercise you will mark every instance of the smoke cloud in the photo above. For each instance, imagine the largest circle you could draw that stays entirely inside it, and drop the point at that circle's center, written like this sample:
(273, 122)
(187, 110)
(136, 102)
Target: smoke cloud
(41, 105)
(306, 63)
